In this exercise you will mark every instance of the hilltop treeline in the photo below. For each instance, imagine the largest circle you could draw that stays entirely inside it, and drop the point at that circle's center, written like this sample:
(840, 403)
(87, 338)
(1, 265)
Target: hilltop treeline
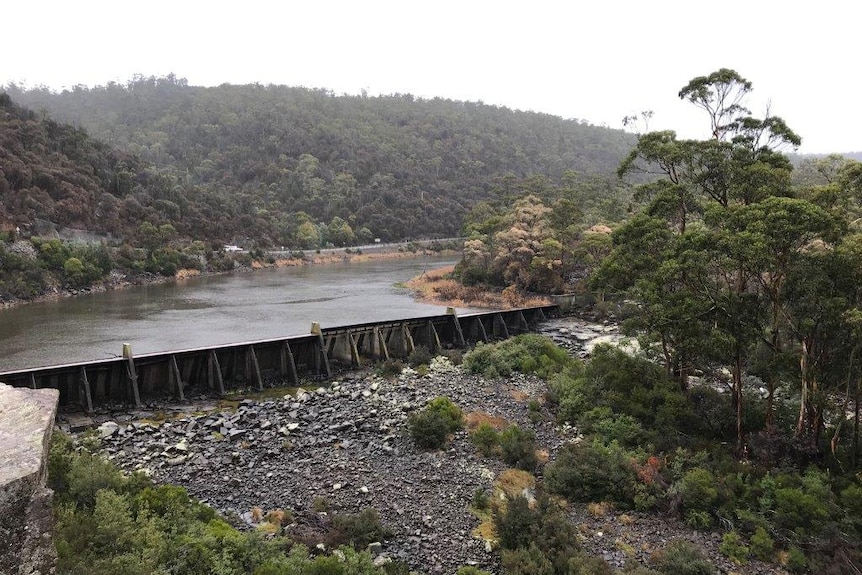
(301, 167)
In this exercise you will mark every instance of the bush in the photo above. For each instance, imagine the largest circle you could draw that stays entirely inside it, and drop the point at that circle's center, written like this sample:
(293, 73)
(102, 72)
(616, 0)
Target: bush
(515, 525)
(762, 546)
(519, 447)
(471, 570)
(593, 472)
(430, 427)
(526, 561)
(419, 356)
(683, 558)
(733, 548)
(358, 529)
(526, 353)
(698, 490)
(486, 439)
(796, 561)
(607, 426)
(389, 368)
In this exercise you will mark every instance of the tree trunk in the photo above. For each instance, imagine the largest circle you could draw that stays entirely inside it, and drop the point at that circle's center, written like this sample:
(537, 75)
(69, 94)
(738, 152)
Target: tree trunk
(803, 400)
(737, 395)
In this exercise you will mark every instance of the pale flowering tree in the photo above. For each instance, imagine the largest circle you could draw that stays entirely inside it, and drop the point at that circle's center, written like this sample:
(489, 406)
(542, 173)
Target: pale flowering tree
(526, 254)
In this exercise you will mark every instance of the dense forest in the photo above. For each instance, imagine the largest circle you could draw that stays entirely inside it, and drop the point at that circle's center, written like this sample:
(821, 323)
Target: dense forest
(276, 165)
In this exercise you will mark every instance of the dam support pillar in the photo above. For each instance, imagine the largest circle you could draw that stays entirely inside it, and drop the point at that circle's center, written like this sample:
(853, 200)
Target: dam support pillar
(131, 373)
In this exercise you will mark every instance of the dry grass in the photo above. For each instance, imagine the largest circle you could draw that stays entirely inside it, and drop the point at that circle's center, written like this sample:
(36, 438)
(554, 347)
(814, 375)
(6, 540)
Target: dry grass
(513, 482)
(438, 287)
(476, 418)
(186, 273)
(543, 455)
(518, 395)
(626, 519)
(486, 531)
(600, 509)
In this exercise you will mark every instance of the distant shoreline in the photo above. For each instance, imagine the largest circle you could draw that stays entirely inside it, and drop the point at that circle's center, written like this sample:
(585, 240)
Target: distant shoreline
(117, 280)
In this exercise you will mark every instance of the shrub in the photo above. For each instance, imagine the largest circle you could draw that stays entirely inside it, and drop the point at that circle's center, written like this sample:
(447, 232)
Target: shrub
(796, 561)
(593, 472)
(515, 524)
(358, 529)
(733, 548)
(430, 427)
(519, 447)
(683, 558)
(697, 490)
(799, 511)
(526, 353)
(761, 544)
(526, 561)
(602, 422)
(389, 368)
(480, 499)
(471, 570)
(486, 439)
(419, 356)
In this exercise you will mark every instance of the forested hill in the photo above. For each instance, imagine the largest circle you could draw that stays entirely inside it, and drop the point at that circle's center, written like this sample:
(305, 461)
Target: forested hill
(277, 164)
(54, 176)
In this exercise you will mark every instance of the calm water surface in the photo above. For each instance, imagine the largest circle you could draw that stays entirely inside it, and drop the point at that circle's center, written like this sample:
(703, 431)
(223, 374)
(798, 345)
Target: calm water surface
(210, 310)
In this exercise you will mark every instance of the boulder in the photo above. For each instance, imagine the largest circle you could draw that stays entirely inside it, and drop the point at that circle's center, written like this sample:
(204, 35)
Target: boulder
(26, 517)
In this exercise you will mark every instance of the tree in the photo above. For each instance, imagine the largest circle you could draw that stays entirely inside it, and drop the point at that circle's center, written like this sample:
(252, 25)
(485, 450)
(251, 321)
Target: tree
(696, 261)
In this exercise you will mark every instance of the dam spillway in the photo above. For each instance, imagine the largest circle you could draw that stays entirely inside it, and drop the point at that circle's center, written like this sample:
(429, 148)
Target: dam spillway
(131, 380)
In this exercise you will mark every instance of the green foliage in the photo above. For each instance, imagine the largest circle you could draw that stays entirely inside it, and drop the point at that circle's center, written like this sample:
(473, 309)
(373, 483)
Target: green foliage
(539, 534)
(593, 472)
(471, 570)
(526, 353)
(486, 439)
(107, 523)
(285, 164)
(762, 545)
(617, 392)
(796, 560)
(480, 499)
(430, 426)
(733, 548)
(359, 529)
(527, 560)
(420, 355)
(698, 490)
(389, 368)
(519, 447)
(683, 558)
(602, 423)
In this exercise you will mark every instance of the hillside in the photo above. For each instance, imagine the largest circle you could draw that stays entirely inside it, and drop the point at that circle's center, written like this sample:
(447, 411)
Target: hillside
(294, 166)
(53, 176)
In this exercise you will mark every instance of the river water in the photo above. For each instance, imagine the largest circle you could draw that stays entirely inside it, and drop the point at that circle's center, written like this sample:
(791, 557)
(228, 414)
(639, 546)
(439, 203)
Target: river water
(211, 310)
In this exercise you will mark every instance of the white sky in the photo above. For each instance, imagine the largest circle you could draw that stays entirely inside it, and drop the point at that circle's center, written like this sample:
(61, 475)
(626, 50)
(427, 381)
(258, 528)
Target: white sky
(597, 60)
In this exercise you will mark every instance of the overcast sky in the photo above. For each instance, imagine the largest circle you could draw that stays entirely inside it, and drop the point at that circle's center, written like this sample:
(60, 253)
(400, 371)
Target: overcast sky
(596, 60)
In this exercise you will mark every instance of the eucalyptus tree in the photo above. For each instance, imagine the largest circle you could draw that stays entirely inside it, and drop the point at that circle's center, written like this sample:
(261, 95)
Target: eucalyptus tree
(698, 294)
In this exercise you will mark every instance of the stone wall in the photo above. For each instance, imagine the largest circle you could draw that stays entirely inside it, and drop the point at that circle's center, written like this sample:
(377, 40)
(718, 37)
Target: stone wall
(26, 517)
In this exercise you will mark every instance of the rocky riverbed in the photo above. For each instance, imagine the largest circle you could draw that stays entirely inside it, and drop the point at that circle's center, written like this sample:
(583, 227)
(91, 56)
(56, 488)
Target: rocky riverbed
(345, 447)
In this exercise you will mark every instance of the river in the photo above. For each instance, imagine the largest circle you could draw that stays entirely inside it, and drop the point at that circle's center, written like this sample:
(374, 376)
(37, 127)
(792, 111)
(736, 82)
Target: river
(211, 310)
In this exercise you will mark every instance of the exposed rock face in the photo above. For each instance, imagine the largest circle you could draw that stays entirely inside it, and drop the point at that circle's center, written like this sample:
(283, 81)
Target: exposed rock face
(26, 518)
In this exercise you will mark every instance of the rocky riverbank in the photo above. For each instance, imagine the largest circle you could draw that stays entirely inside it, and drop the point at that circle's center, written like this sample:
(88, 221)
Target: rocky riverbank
(345, 448)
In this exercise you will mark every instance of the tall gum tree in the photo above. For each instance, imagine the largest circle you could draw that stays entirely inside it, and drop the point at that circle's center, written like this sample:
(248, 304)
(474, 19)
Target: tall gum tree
(707, 273)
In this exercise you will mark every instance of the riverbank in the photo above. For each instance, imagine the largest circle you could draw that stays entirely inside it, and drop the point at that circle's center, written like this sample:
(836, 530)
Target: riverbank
(438, 287)
(121, 279)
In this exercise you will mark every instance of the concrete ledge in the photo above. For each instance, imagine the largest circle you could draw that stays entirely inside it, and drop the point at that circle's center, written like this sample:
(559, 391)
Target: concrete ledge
(26, 519)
